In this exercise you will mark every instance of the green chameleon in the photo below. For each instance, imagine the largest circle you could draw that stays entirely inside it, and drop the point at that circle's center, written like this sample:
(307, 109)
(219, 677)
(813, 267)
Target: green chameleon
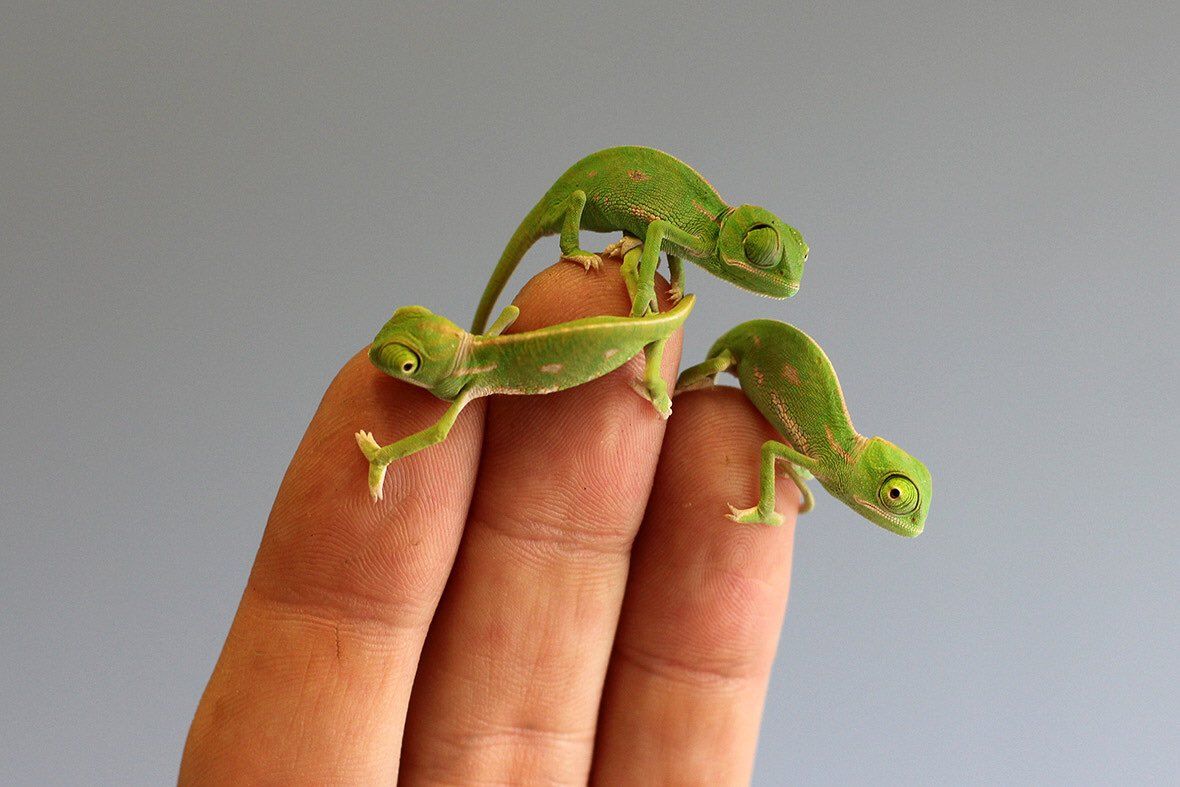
(664, 204)
(425, 349)
(790, 380)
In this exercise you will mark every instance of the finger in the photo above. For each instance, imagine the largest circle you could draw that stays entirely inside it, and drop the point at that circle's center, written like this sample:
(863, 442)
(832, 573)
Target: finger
(512, 672)
(314, 679)
(705, 601)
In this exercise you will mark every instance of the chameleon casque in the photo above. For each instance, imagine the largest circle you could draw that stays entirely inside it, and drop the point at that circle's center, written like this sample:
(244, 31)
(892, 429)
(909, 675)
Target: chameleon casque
(430, 351)
(787, 376)
(666, 205)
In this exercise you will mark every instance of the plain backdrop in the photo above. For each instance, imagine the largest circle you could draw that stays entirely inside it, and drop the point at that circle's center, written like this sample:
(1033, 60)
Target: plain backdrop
(206, 207)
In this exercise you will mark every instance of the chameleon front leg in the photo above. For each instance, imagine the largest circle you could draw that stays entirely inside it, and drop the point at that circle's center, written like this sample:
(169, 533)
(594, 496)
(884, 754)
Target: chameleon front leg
(380, 456)
(643, 298)
(570, 211)
(764, 512)
(652, 387)
(506, 318)
(703, 373)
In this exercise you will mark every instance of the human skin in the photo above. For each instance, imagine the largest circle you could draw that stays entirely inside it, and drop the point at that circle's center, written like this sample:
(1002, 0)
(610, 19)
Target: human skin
(519, 626)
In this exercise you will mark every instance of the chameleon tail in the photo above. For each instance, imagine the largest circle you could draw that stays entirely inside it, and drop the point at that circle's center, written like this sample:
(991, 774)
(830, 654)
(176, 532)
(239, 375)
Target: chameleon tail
(529, 231)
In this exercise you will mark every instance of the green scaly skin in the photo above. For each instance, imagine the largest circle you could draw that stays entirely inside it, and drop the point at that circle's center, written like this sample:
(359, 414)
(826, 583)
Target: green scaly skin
(430, 351)
(666, 205)
(787, 376)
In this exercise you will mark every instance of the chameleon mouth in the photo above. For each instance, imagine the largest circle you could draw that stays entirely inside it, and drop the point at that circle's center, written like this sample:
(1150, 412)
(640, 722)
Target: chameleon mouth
(904, 527)
(781, 289)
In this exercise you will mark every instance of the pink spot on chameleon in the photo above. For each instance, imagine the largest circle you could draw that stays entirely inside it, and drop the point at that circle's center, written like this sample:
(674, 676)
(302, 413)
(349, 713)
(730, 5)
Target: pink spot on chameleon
(638, 176)
(791, 373)
(759, 376)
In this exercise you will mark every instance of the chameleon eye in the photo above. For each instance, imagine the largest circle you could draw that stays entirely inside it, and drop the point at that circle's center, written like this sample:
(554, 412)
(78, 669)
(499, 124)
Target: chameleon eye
(898, 494)
(761, 247)
(397, 359)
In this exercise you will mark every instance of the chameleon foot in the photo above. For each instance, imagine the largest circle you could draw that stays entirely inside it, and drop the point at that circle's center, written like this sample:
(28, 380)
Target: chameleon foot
(620, 247)
(644, 303)
(752, 516)
(369, 448)
(659, 397)
(584, 258)
(675, 294)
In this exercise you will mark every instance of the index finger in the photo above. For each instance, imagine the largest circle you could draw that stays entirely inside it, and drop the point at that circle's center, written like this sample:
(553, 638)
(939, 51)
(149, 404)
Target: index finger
(314, 679)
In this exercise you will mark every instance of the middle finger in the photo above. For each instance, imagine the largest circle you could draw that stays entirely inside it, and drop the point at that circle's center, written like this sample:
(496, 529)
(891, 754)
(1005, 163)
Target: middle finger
(511, 677)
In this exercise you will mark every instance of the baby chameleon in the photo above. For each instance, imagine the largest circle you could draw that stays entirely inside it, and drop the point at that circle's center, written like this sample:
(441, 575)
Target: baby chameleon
(425, 349)
(666, 205)
(792, 383)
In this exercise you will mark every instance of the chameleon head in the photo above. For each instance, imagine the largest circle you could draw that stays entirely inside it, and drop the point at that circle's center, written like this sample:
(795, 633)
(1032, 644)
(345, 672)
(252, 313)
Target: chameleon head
(417, 346)
(889, 487)
(757, 251)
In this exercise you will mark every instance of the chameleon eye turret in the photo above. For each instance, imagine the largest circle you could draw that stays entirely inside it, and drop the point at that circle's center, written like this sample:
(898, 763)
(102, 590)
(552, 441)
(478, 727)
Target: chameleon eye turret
(899, 495)
(395, 359)
(762, 247)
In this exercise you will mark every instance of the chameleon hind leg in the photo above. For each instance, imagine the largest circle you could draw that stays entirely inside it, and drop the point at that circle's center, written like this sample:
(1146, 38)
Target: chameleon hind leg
(701, 375)
(381, 456)
(569, 211)
(764, 512)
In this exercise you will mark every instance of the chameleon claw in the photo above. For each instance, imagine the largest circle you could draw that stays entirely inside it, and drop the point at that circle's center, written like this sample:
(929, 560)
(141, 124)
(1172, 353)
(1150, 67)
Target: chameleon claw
(751, 516)
(661, 401)
(370, 448)
(587, 261)
(377, 481)
(620, 247)
(368, 444)
(675, 294)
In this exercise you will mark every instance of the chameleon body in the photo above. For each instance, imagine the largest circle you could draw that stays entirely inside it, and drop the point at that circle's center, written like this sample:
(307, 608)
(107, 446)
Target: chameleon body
(430, 351)
(663, 203)
(787, 376)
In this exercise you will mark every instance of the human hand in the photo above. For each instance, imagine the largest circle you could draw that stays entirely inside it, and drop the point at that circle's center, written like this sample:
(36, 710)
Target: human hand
(515, 624)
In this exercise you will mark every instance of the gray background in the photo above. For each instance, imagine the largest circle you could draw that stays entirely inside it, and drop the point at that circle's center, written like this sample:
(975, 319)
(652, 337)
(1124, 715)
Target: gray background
(204, 209)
